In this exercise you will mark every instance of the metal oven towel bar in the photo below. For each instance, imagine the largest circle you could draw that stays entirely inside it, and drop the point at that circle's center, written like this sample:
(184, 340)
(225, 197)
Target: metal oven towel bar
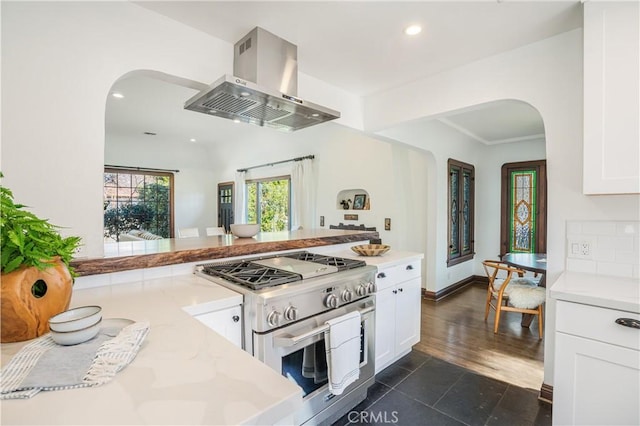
(289, 341)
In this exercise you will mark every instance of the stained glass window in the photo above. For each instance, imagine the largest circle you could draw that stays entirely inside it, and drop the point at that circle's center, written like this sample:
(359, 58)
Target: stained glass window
(454, 239)
(461, 216)
(523, 211)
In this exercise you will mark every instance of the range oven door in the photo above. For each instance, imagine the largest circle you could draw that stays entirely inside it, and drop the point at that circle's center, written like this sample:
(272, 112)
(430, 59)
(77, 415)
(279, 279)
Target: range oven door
(298, 353)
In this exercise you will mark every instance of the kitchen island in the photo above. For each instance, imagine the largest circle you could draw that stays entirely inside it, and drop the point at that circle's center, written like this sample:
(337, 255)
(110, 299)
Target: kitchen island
(184, 373)
(131, 255)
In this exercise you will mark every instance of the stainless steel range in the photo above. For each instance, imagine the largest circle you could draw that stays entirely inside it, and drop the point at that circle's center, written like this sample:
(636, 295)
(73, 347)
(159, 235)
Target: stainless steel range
(287, 300)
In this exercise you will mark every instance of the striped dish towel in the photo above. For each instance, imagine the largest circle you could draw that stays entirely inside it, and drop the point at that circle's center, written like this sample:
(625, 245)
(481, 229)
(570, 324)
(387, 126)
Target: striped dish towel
(43, 365)
(343, 351)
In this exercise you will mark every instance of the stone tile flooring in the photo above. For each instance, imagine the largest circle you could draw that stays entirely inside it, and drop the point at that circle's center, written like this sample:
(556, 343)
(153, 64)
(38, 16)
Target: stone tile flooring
(422, 390)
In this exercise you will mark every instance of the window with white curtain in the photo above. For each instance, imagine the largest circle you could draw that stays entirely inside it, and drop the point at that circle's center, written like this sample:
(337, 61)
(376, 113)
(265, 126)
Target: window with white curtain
(268, 202)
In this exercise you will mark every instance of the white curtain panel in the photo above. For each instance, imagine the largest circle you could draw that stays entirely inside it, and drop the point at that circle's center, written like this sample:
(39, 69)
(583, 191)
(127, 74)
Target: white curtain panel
(303, 195)
(239, 207)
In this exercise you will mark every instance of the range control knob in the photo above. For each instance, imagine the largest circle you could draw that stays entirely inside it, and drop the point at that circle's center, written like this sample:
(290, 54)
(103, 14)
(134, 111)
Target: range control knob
(347, 295)
(291, 313)
(273, 318)
(361, 290)
(331, 301)
(372, 287)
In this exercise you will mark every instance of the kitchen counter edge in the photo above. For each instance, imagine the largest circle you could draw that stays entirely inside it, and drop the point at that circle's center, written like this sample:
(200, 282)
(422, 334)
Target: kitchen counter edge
(598, 290)
(149, 254)
(185, 373)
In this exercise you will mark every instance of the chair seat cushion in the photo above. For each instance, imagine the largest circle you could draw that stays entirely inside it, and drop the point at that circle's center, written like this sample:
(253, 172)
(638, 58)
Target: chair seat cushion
(527, 297)
(514, 283)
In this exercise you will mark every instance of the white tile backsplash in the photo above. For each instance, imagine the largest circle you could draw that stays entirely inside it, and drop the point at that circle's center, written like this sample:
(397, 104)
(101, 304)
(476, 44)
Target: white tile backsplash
(628, 228)
(599, 228)
(614, 247)
(580, 265)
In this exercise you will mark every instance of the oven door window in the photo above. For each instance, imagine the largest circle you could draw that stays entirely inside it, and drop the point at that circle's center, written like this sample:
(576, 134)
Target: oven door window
(307, 367)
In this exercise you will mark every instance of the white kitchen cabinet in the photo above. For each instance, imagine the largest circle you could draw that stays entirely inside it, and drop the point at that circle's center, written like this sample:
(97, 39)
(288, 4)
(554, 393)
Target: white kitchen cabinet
(398, 302)
(597, 367)
(611, 97)
(226, 322)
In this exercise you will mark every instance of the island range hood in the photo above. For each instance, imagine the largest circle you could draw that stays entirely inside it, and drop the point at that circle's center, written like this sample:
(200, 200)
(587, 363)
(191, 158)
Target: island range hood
(263, 89)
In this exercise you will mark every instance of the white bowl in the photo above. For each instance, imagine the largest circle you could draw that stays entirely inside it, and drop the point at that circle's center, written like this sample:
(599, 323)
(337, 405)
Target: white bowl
(75, 319)
(245, 230)
(75, 337)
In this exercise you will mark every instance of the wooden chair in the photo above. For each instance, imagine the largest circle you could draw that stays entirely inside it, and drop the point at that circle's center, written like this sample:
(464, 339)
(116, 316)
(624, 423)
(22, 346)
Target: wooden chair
(512, 293)
(215, 231)
(188, 232)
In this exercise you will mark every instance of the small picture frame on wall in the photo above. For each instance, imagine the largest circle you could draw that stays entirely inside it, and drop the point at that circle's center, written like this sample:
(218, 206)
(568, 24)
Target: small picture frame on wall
(359, 201)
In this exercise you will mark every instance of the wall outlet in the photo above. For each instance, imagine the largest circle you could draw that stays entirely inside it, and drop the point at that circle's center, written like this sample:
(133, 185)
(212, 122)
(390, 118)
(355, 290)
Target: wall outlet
(580, 249)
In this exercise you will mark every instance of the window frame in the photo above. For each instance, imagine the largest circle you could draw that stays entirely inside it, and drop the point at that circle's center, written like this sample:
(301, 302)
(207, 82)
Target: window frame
(258, 181)
(540, 240)
(136, 171)
(468, 254)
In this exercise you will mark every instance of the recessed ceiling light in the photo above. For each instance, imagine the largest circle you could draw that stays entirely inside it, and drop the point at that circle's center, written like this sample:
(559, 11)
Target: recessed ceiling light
(117, 95)
(413, 30)
(236, 121)
(192, 140)
(315, 114)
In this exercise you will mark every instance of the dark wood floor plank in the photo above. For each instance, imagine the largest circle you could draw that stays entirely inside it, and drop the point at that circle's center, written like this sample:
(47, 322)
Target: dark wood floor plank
(454, 330)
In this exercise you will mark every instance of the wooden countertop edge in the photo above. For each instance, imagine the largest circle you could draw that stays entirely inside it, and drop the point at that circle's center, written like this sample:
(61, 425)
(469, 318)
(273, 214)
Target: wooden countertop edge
(84, 267)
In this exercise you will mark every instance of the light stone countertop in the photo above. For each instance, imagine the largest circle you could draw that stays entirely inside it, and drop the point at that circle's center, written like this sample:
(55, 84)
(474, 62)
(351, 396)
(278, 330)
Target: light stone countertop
(598, 290)
(185, 373)
(390, 258)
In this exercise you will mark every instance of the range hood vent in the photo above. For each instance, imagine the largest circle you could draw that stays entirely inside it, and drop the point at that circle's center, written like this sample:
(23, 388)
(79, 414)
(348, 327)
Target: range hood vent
(263, 89)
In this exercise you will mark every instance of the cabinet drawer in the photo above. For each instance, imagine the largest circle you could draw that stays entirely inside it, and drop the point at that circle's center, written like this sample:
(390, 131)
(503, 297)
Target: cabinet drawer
(399, 273)
(597, 323)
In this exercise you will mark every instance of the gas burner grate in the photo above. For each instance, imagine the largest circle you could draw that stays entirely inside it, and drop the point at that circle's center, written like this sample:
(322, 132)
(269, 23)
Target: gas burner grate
(339, 262)
(251, 275)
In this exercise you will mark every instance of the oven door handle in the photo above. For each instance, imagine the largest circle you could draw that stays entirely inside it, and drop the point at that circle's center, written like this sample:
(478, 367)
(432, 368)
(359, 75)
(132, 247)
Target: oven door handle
(289, 341)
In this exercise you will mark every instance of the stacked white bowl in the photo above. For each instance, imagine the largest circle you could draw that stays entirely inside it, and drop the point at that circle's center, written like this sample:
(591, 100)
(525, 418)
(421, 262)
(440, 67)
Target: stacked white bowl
(75, 325)
(245, 230)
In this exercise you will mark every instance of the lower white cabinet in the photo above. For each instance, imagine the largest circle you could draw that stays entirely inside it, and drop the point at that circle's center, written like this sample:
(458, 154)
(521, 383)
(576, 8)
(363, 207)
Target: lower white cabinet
(597, 367)
(398, 301)
(226, 322)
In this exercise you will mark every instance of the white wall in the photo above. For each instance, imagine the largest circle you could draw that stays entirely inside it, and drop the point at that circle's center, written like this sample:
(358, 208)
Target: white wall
(393, 175)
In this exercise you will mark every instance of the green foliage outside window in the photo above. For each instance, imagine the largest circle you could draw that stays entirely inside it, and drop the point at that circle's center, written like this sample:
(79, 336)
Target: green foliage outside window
(268, 204)
(136, 201)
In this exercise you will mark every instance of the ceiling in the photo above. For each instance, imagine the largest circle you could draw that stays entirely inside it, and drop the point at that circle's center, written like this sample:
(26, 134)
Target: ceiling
(358, 46)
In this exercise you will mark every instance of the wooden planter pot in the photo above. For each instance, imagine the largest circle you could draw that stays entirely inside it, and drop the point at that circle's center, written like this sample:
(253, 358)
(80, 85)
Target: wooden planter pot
(29, 297)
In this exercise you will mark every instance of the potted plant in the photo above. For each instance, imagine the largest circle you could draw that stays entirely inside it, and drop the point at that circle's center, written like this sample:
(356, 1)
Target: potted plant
(35, 272)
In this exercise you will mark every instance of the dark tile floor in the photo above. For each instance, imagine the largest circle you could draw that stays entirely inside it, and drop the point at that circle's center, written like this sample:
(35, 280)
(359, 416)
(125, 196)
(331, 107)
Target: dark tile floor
(422, 390)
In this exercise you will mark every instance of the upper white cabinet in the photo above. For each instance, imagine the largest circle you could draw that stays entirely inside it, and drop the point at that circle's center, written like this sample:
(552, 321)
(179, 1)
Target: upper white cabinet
(611, 97)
